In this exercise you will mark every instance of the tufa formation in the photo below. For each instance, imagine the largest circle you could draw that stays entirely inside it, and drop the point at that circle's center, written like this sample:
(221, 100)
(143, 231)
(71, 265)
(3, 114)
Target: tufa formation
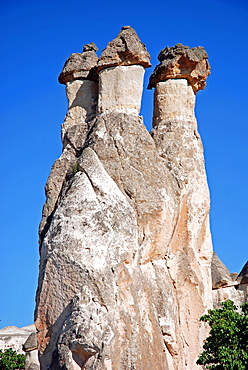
(125, 245)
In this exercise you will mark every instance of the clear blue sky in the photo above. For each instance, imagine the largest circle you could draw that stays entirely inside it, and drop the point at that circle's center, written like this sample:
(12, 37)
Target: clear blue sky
(36, 39)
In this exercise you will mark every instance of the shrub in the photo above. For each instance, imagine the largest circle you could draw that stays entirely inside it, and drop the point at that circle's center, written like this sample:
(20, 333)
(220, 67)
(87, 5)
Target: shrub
(10, 359)
(226, 348)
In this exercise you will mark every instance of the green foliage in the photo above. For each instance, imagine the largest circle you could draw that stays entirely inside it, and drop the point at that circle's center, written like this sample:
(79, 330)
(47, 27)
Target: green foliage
(226, 348)
(75, 168)
(11, 360)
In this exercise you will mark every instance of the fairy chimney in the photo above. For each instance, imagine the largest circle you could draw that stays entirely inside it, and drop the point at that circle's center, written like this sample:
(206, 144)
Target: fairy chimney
(181, 73)
(125, 246)
(81, 82)
(121, 71)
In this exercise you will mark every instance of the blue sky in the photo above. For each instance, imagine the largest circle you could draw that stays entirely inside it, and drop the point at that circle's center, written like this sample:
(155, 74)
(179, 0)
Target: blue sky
(36, 39)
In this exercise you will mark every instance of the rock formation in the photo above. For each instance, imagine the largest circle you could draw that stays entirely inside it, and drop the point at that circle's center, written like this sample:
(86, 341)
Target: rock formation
(228, 286)
(125, 246)
(182, 62)
(13, 337)
(30, 347)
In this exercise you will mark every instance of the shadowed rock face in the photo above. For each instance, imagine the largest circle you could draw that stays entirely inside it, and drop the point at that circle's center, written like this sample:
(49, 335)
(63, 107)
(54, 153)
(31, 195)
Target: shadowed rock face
(182, 62)
(226, 285)
(243, 276)
(30, 347)
(221, 276)
(125, 243)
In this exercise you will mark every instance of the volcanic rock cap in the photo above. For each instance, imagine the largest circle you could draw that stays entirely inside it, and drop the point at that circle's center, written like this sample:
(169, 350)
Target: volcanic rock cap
(121, 70)
(125, 49)
(80, 65)
(182, 62)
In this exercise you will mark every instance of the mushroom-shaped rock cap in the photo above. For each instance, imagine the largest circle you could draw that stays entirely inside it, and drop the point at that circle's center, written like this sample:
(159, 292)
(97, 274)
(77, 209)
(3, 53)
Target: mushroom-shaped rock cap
(80, 65)
(182, 62)
(126, 49)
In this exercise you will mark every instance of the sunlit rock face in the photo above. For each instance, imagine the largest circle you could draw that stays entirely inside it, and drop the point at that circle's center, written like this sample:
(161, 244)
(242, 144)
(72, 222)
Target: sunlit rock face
(124, 96)
(125, 253)
(182, 62)
(190, 249)
(13, 337)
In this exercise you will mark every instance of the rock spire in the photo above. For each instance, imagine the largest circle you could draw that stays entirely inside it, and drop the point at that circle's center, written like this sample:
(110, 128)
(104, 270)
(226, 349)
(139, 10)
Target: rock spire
(125, 246)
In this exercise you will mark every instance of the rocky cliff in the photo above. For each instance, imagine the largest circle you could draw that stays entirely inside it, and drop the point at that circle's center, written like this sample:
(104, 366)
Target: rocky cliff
(125, 246)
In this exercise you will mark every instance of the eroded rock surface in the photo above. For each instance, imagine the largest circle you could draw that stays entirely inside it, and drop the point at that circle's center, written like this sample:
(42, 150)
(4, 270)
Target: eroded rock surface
(80, 65)
(182, 62)
(221, 276)
(13, 337)
(125, 267)
(125, 49)
(242, 278)
(226, 285)
(31, 349)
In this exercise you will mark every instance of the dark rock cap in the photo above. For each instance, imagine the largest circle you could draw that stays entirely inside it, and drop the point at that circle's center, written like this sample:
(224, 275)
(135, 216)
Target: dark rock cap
(31, 343)
(221, 276)
(243, 276)
(126, 49)
(182, 62)
(80, 65)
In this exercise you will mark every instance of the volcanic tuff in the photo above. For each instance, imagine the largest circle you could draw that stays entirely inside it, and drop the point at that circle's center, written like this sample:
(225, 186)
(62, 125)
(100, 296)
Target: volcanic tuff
(125, 246)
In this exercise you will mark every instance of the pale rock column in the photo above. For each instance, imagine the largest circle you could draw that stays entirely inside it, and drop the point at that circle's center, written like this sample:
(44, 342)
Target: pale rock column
(81, 87)
(121, 72)
(181, 73)
(120, 89)
(81, 82)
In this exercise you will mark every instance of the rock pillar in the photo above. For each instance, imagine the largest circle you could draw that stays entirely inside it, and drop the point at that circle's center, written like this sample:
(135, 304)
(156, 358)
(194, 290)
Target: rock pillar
(120, 89)
(81, 87)
(81, 82)
(181, 73)
(121, 72)
(125, 246)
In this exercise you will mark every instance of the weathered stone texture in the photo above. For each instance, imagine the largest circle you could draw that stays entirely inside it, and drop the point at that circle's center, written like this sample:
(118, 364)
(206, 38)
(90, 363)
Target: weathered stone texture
(226, 285)
(182, 62)
(13, 337)
(125, 243)
(189, 255)
(126, 49)
(221, 276)
(242, 278)
(31, 349)
(80, 65)
(82, 98)
(124, 96)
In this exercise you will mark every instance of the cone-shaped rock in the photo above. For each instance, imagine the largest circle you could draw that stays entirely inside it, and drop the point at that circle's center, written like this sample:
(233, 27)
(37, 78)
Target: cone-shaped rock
(225, 286)
(126, 49)
(182, 62)
(220, 274)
